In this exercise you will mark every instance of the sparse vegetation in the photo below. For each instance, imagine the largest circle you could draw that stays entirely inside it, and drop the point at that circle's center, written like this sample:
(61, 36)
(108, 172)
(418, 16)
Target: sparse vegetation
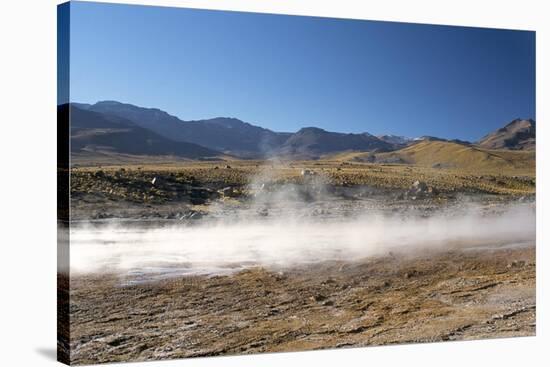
(450, 155)
(133, 182)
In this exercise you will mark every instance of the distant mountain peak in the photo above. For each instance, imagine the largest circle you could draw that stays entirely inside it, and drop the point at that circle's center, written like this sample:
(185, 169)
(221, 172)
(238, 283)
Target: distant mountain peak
(518, 134)
(519, 123)
(110, 102)
(313, 142)
(311, 129)
(397, 140)
(227, 122)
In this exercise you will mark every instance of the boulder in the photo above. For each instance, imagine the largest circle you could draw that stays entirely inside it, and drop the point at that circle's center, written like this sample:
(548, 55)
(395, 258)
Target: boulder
(229, 192)
(99, 174)
(196, 215)
(264, 212)
(516, 264)
(419, 186)
(420, 190)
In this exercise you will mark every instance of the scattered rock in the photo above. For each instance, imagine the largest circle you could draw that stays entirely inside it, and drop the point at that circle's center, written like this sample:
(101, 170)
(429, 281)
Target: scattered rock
(328, 281)
(318, 298)
(116, 340)
(307, 173)
(196, 215)
(229, 192)
(419, 190)
(419, 186)
(197, 200)
(516, 264)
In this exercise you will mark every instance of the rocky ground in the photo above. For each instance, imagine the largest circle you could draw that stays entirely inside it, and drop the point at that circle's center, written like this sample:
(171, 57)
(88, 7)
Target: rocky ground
(450, 295)
(183, 192)
(437, 295)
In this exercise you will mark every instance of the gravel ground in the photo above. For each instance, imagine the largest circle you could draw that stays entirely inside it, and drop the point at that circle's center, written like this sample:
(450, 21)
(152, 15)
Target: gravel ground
(439, 296)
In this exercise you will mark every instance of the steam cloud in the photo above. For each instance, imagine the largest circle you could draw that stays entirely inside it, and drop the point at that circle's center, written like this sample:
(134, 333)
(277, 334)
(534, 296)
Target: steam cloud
(286, 234)
(221, 247)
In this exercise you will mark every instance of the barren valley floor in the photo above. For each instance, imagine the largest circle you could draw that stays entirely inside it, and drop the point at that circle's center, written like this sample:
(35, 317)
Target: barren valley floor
(447, 292)
(451, 295)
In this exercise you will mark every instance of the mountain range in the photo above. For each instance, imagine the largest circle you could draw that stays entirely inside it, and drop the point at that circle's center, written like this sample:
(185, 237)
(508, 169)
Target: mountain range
(225, 135)
(119, 128)
(95, 132)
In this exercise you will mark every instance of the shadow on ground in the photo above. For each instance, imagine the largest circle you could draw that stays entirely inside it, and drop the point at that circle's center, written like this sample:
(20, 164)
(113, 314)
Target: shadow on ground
(48, 353)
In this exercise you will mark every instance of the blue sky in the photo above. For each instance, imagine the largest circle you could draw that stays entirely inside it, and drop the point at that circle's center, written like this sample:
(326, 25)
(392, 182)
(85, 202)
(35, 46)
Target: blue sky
(287, 72)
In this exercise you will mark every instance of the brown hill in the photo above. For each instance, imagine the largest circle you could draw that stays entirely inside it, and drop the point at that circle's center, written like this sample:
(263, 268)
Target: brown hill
(450, 155)
(518, 135)
(312, 143)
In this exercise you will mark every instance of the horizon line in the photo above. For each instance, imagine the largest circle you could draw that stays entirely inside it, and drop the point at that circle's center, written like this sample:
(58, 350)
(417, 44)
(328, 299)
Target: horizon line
(301, 128)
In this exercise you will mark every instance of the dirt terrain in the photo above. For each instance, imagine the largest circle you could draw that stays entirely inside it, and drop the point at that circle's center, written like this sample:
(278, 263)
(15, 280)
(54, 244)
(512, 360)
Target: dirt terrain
(447, 292)
(450, 295)
(185, 190)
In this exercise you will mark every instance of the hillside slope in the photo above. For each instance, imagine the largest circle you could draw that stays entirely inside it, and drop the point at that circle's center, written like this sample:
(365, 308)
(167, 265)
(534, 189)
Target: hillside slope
(312, 142)
(229, 135)
(93, 132)
(443, 155)
(518, 135)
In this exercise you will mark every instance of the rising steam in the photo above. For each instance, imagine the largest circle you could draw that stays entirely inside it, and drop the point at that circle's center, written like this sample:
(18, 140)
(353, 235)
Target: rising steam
(290, 224)
(218, 248)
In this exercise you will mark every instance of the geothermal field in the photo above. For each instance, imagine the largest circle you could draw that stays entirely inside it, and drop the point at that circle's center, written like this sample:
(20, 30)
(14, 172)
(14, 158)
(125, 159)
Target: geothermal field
(239, 183)
(215, 258)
